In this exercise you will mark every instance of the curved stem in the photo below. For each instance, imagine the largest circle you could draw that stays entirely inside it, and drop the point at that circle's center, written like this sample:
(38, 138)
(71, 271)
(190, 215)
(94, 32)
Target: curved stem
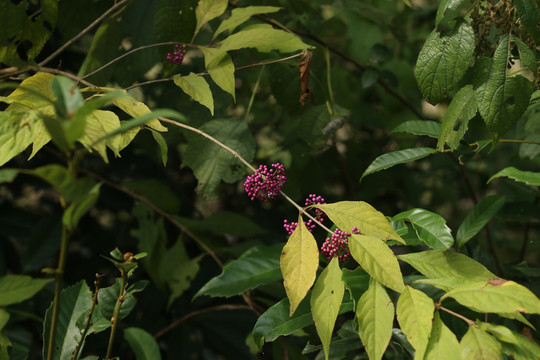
(115, 318)
(88, 321)
(84, 31)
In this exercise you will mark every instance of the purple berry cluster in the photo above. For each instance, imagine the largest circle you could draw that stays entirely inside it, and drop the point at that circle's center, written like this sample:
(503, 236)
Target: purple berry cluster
(265, 184)
(178, 55)
(312, 199)
(338, 244)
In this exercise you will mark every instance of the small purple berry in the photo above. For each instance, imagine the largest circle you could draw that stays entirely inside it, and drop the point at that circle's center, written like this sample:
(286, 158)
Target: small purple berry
(265, 184)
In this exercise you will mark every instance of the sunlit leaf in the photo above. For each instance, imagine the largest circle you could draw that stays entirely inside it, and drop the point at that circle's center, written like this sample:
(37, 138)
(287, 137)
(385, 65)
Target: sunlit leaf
(478, 218)
(241, 15)
(443, 344)
(256, 267)
(326, 300)
(496, 296)
(443, 61)
(208, 10)
(299, 262)
(135, 109)
(430, 228)
(375, 316)
(376, 258)
(221, 68)
(348, 214)
(388, 160)
(415, 316)
(436, 264)
(196, 86)
(264, 39)
(528, 177)
(479, 345)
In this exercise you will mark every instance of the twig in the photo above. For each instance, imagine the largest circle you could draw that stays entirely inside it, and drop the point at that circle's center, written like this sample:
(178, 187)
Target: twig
(467, 320)
(262, 63)
(519, 141)
(195, 313)
(84, 31)
(116, 316)
(24, 69)
(166, 215)
(129, 53)
(89, 320)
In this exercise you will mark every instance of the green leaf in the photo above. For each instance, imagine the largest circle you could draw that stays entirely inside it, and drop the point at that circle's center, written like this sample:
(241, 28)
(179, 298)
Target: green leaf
(479, 345)
(419, 127)
(256, 267)
(496, 296)
(276, 321)
(17, 288)
(221, 69)
(377, 259)
(528, 177)
(75, 302)
(162, 145)
(210, 162)
(325, 302)
(443, 344)
(142, 343)
(450, 9)
(529, 13)
(356, 281)
(514, 343)
(264, 39)
(375, 316)
(18, 28)
(388, 160)
(478, 218)
(415, 316)
(462, 108)
(108, 297)
(196, 86)
(241, 15)
(98, 124)
(299, 262)
(348, 214)
(502, 98)
(80, 207)
(440, 265)
(443, 61)
(208, 10)
(430, 228)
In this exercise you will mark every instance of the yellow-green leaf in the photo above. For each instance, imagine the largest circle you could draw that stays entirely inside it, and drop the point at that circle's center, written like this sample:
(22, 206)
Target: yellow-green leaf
(264, 39)
(415, 316)
(347, 214)
(513, 343)
(326, 300)
(240, 15)
(479, 345)
(196, 87)
(496, 296)
(440, 265)
(375, 315)
(208, 10)
(377, 259)
(299, 262)
(443, 344)
(135, 109)
(221, 68)
(99, 123)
